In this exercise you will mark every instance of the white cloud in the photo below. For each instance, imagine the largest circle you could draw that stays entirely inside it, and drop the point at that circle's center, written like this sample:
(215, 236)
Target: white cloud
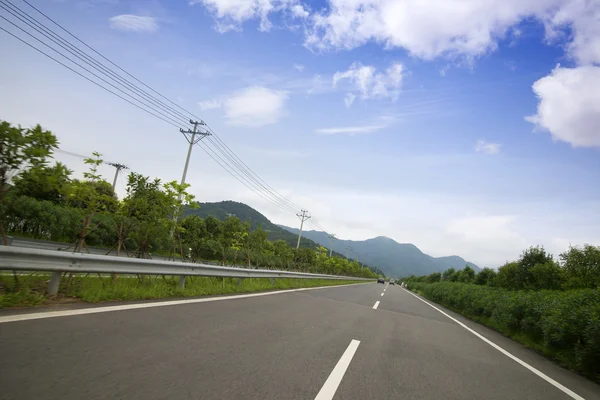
(231, 14)
(299, 11)
(255, 106)
(569, 105)
(371, 84)
(349, 130)
(299, 67)
(451, 27)
(209, 104)
(134, 23)
(486, 147)
(349, 99)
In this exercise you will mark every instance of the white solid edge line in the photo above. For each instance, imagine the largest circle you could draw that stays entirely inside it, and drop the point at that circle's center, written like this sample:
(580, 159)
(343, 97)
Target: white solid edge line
(94, 310)
(376, 305)
(335, 378)
(506, 353)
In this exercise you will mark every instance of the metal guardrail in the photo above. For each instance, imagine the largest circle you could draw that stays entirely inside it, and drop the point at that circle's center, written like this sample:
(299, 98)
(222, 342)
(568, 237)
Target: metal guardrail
(57, 262)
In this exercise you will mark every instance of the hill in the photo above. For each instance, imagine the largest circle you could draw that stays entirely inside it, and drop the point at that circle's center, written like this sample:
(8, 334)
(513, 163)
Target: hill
(223, 209)
(395, 259)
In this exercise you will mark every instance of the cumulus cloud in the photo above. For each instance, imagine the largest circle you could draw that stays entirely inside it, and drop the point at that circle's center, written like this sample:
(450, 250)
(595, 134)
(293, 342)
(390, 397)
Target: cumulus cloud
(134, 23)
(569, 105)
(255, 106)
(231, 14)
(364, 79)
(209, 104)
(451, 27)
(486, 147)
(299, 67)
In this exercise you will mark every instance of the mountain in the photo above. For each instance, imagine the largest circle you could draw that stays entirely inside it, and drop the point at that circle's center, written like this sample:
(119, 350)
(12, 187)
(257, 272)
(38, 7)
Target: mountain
(393, 258)
(223, 209)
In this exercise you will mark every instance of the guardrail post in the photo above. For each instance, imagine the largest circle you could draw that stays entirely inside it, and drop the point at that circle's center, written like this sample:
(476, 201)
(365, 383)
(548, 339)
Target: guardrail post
(182, 282)
(240, 281)
(54, 283)
(272, 281)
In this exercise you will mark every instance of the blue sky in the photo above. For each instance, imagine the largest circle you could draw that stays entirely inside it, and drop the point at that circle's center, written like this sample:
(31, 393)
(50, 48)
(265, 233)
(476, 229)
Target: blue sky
(465, 128)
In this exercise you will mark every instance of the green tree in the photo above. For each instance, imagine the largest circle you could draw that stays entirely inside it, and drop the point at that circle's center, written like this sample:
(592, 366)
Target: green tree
(467, 275)
(448, 274)
(434, 277)
(148, 207)
(93, 195)
(508, 276)
(44, 183)
(20, 149)
(486, 276)
(529, 259)
(582, 267)
(253, 242)
(547, 276)
(284, 253)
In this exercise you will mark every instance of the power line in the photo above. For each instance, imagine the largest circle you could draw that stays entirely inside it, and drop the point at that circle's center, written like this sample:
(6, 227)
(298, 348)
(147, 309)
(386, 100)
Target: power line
(223, 148)
(167, 113)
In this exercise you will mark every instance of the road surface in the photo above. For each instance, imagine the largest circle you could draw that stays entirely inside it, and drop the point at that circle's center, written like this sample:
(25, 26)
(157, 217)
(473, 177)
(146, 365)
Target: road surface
(332, 343)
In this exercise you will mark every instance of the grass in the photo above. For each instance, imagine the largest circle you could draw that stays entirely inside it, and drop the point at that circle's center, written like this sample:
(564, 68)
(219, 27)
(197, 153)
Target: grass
(29, 290)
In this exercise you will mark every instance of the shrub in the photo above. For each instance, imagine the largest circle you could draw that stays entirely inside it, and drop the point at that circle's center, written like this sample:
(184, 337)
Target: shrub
(562, 324)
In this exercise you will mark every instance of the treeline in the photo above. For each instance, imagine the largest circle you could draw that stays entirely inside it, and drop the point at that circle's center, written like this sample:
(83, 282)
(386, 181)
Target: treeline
(577, 268)
(551, 306)
(41, 200)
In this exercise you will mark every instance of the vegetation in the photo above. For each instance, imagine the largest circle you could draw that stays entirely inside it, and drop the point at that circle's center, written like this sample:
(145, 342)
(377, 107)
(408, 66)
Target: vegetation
(95, 289)
(551, 306)
(43, 201)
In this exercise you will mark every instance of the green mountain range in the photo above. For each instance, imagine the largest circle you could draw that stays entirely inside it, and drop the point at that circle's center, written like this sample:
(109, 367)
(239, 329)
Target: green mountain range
(224, 209)
(393, 258)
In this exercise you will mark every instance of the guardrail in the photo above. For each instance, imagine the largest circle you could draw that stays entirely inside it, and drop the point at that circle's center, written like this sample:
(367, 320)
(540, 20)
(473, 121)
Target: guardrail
(56, 262)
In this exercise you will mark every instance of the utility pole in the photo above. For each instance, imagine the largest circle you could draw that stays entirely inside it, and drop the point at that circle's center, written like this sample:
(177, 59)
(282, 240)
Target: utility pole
(348, 248)
(331, 239)
(303, 217)
(192, 139)
(118, 168)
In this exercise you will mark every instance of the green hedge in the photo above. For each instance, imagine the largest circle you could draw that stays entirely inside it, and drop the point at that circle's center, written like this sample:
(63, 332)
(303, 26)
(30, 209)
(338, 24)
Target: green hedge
(562, 324)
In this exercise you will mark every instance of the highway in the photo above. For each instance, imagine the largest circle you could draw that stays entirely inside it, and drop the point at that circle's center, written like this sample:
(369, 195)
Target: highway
(326, 343)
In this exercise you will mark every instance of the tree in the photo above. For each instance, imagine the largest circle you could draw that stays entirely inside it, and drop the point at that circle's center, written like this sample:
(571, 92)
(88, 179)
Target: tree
(582, 267)
(529, 259)
(467, 275)
(283, 252)
(253, 241)
(178, 199)
(147, 205)
(548, 276)
(20, 148)
(508, 276)
(44, 183)
(434, 277)
(449, 274)
(485, 277)
(93, 195)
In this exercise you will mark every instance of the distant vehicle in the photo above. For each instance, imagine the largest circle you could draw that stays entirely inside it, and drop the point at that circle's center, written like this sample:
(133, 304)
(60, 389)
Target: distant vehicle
(380, 280)
(392, 282)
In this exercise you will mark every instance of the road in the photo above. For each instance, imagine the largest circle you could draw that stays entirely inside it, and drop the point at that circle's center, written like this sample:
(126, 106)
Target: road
(308, 344)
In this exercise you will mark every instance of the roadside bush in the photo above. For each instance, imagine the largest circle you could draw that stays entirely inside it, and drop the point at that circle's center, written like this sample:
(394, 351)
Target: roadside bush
(562, 324)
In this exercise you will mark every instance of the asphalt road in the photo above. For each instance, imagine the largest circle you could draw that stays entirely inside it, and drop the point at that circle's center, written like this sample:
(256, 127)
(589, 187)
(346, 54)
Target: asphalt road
(314, 344)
